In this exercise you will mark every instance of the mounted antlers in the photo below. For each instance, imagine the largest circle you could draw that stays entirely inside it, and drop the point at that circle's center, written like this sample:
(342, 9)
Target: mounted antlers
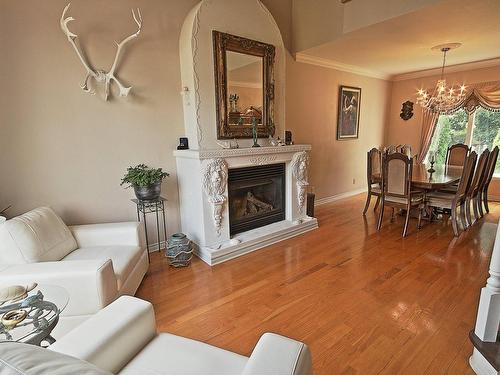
(100, 75)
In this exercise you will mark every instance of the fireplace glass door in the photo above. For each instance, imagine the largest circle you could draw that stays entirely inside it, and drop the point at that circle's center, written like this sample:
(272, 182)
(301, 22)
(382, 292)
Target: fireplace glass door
(256, 196)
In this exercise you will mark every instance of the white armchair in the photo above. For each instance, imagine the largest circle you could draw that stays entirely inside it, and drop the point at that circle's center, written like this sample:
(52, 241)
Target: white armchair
(122, 339)
(94, 263)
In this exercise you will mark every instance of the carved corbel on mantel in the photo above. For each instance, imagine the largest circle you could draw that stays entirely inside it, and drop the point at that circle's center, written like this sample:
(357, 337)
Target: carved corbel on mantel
(214, 186)
(300, 166)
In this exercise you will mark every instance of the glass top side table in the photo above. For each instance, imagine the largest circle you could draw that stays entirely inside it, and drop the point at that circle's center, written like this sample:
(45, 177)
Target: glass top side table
(42, 308)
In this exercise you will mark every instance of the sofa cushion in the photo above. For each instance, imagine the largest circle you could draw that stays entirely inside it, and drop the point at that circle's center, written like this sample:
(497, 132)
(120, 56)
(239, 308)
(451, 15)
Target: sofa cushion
(36, 236)
(24, 359)
(124, 258)
(174, 355)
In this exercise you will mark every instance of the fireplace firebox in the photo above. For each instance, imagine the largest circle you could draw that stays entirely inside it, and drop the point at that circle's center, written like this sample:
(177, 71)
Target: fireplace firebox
(256, 196)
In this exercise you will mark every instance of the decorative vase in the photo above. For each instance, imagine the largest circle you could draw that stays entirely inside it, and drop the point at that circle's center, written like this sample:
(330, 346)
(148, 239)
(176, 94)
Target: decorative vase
(179, 250)
(148, 193)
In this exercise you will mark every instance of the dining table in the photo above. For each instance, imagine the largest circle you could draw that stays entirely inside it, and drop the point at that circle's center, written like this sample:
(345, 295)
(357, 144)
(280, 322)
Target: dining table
(442, 177)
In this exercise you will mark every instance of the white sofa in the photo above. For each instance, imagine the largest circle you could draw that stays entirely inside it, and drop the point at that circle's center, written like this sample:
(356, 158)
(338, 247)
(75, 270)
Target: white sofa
(122, 339)
(94, 263)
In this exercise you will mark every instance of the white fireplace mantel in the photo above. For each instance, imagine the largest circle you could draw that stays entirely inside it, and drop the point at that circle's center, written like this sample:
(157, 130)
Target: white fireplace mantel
(205, 214)
(243, 152)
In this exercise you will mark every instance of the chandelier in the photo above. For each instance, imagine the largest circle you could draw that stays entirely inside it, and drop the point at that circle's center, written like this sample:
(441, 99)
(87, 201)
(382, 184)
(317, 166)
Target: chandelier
(444, 99)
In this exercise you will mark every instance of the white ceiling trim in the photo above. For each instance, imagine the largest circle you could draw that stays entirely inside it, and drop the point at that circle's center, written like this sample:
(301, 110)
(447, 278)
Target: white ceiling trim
(449, 69)
(325, 63)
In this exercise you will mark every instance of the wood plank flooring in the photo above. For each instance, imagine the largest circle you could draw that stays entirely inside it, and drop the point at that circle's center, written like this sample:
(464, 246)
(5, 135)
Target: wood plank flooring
(366, 302)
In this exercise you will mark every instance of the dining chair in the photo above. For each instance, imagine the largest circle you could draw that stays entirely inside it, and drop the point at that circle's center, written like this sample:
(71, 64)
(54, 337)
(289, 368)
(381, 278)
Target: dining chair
(397, 172)
(373, 170)
(456, 155)
(391, 149)
(492, 162)
(474, 190)
(453, 200)
(405, 149)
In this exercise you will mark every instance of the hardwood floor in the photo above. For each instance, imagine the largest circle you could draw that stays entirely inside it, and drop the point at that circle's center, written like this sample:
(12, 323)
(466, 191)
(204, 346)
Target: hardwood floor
(366, 302)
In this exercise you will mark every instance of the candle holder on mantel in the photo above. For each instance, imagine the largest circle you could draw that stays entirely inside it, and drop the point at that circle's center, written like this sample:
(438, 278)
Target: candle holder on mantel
(254, 132)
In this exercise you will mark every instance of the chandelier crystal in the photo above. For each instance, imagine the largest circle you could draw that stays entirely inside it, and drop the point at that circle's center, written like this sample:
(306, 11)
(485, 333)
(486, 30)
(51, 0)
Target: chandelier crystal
(444, 99)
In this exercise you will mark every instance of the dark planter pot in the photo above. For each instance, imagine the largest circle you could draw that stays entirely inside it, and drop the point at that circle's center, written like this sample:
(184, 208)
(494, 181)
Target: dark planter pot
(148, 193)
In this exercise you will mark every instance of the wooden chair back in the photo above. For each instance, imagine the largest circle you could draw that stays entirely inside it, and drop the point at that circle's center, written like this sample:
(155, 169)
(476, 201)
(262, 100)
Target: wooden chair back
(457, 154)
(480, 173)
(492, 162)
(373, 165)
(391, 149)
(397, 171)
(465, 179)
(405, 149)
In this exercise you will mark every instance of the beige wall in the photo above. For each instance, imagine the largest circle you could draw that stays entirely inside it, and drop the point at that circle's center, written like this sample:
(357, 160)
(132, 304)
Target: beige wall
(67, 149)
(312, 96)
(401, 132)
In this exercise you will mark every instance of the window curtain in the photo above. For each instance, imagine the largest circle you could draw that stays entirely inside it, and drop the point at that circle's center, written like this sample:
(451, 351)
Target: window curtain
(429, 122)
(486, 95)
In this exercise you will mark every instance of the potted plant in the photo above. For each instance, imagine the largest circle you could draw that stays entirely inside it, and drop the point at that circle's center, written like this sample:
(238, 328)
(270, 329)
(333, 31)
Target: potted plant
(146, 181)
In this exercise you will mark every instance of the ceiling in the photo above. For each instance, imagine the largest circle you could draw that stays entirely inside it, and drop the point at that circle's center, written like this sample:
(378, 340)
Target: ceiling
(403, 44)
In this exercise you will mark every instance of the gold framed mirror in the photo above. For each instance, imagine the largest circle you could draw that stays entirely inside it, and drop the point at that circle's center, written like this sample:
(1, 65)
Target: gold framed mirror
(244, 86)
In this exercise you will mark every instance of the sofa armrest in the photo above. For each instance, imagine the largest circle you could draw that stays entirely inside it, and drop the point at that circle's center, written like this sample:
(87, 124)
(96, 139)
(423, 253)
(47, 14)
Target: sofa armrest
(91, 284)
(128, 234)
(279, 355)
(113, 336)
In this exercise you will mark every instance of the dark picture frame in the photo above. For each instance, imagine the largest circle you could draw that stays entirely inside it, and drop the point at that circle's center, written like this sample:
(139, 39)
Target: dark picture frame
(349, 107)
(223, 42)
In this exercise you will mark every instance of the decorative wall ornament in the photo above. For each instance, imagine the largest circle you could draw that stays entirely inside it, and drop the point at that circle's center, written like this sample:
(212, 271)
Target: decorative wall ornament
(196, 78)
(214, 186)
(300, 166)
(262, 159)
(406, 110)
(100, 76)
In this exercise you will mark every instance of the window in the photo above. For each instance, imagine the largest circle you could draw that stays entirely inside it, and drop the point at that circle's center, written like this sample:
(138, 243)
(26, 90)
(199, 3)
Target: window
(480, 130)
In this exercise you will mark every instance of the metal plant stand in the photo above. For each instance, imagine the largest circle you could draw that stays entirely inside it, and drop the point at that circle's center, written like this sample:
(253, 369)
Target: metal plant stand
(153, 206)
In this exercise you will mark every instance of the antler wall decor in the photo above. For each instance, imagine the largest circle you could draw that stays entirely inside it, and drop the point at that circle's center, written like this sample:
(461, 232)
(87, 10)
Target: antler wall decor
(100, 76)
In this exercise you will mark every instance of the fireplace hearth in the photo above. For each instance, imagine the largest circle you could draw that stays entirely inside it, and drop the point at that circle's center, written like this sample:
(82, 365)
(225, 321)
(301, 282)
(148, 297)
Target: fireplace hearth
(256, 196)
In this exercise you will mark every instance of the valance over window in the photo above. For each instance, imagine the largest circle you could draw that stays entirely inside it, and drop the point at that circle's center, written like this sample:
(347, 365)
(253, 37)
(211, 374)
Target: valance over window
(485, 94)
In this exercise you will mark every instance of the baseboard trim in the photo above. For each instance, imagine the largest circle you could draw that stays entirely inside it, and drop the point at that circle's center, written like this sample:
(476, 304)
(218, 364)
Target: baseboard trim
(337, 197)
(154, 246)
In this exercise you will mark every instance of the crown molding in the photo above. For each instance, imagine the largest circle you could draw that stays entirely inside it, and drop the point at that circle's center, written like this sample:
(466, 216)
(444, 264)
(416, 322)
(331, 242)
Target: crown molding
(326, 63)
(449, 69)
(331, 64)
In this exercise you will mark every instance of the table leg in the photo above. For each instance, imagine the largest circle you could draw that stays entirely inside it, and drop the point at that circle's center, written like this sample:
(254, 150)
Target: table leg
(146, 231)
(164, 224)
(157, 226)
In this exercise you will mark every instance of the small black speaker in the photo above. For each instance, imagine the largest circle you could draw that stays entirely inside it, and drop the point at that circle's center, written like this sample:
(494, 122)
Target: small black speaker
(183, 144)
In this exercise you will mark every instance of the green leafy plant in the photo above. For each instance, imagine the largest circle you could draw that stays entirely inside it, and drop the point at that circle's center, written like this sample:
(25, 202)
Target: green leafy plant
(143, 176)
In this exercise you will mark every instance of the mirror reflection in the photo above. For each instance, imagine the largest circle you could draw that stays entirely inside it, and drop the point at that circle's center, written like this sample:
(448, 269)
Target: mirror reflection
(244, 88)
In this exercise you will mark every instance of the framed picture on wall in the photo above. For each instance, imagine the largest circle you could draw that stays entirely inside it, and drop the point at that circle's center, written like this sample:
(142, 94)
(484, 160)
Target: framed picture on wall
(348, 112)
